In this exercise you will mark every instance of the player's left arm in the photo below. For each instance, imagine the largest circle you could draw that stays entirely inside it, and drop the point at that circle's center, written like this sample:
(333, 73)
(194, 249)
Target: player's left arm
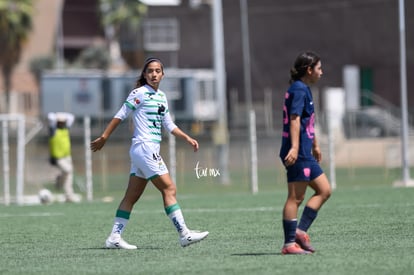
(179, 133)
(171, 127)
(316, 150)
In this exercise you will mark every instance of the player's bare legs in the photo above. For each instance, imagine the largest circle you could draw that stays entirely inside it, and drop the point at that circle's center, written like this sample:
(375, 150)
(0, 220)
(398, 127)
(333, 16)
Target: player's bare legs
(168, 190)
(296, 195)
(322, 193)
(136, 187)
(322, 190)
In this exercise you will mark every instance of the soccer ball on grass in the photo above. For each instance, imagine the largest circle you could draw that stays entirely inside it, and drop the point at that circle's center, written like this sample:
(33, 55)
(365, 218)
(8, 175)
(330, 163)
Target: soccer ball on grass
(45, 196)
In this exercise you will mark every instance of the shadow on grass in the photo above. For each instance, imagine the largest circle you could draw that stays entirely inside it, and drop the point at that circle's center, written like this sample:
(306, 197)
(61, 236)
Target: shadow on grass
(118, 249)
(257, 254)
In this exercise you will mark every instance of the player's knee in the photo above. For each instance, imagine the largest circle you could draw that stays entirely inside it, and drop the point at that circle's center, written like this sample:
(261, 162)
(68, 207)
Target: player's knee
(326, 194)
(297, 200)
(170, 191)
(300, 200)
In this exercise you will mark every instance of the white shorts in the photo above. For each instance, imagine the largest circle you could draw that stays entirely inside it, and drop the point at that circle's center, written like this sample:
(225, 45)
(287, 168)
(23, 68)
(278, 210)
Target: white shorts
(146, 161)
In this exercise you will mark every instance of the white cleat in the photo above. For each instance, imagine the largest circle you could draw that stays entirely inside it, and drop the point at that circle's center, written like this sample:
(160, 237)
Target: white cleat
(118, 243)
(192, 237)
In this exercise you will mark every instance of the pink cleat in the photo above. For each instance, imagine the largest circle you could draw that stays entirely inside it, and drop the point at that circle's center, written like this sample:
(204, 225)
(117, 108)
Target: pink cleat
(302, 238)
(294, 249)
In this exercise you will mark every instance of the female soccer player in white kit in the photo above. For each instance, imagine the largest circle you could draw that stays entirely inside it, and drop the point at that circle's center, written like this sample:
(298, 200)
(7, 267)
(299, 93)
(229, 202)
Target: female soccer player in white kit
(149, 109)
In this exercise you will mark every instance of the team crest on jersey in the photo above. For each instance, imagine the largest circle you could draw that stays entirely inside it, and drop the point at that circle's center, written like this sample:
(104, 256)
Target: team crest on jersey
(161, 109)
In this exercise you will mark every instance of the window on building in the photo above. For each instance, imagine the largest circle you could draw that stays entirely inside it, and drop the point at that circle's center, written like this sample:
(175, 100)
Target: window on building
(161, 34)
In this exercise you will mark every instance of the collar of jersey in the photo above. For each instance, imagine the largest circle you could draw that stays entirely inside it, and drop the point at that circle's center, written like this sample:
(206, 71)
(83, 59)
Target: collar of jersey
(150, 89)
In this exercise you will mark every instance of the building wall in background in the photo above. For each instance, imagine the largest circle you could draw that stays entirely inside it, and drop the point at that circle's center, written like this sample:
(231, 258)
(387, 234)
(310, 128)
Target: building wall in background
(363, 33)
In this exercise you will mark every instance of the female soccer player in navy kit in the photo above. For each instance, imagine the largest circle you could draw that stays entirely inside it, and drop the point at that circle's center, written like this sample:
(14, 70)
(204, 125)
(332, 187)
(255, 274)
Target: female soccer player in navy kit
(149, 108)
(300, 154)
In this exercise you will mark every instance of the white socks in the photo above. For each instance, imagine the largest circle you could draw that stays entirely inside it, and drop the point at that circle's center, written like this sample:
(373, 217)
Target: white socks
(177, 218)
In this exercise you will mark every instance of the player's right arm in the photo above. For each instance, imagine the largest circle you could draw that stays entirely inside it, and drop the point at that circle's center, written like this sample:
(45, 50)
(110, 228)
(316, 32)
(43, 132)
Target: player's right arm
(316, 150)
(292, 155)
(123, 113)
(98, 143)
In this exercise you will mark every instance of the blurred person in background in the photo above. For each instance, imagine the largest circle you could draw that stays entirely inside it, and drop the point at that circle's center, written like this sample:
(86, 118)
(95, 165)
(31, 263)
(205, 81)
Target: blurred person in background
(300, 153)
(149, 109)
(60, 151)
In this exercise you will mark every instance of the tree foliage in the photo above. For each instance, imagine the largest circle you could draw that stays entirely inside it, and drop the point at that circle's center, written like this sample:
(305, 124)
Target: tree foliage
(124, 16)
(95, 57)
(15, 27)
(40, 64)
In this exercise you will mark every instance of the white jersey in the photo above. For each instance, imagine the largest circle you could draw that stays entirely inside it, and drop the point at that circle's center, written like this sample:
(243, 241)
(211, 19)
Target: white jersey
(150, 112)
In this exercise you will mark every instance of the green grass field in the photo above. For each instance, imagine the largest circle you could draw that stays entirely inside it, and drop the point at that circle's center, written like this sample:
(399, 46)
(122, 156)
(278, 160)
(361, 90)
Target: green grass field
(367, 227)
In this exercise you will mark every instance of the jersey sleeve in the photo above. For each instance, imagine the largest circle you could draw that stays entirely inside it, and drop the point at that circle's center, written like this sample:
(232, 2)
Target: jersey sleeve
(123, 112)
(168, 123)
(133, 101)
(298, 102)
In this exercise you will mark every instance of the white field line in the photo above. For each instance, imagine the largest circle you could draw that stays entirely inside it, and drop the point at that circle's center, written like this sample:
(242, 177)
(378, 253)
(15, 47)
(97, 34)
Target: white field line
(214, 210)
(201, 210)
(244, 209)
(197, 210)
(33, 214)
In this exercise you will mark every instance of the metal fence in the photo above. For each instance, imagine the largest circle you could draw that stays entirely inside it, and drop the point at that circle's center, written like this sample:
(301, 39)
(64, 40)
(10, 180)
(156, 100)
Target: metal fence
(378, 154)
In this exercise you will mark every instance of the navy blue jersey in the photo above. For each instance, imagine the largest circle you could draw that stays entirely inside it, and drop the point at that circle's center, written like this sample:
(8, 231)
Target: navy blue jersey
(298, 101)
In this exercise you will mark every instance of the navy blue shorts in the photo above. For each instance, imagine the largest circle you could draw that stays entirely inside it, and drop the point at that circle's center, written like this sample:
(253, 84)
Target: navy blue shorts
(304, 171)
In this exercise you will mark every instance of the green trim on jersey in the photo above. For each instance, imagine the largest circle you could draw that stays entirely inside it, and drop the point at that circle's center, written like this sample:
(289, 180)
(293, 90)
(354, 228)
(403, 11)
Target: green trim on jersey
(158, 100)
(154, 120)
(149, 114)
(152, 113)
(129, 105)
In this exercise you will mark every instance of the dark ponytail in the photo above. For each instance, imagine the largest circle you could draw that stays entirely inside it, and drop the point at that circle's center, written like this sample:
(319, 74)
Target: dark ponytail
(141, 80)
(302, 63)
